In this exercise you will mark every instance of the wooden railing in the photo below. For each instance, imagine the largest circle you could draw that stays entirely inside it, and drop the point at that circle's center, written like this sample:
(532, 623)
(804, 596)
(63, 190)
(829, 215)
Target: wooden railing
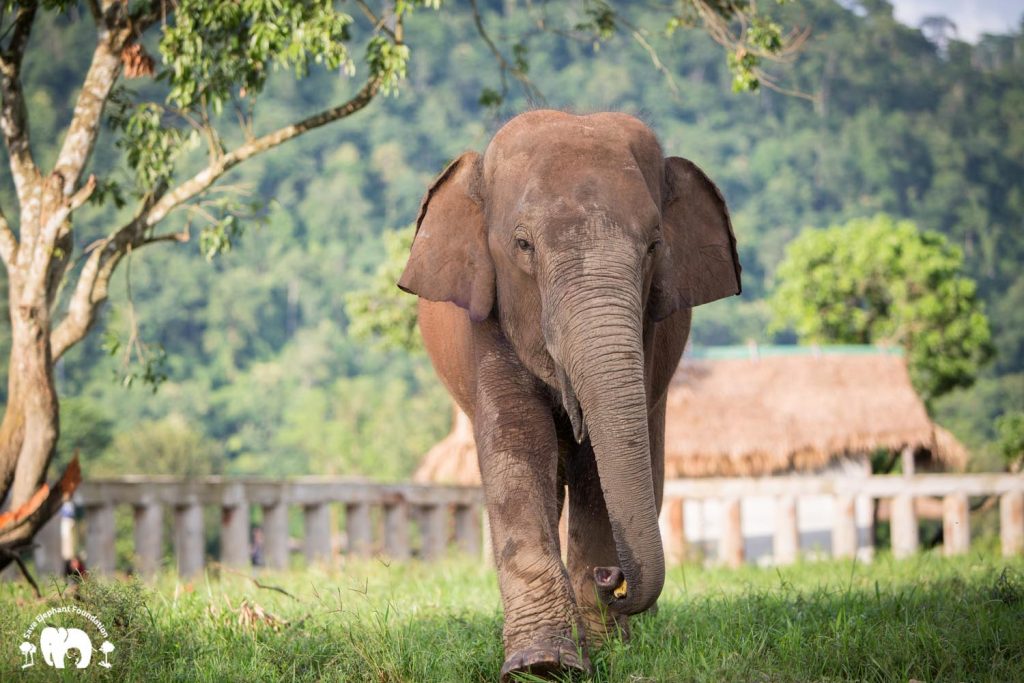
(406, 520)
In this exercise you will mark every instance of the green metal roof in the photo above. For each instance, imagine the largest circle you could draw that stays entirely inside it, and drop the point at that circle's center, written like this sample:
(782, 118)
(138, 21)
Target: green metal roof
(757, 350)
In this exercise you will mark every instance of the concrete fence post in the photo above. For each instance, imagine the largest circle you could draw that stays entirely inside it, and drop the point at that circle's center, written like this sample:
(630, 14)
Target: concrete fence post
(275, 535)
(434, 523)
(844, 526)
(903, 526)
(673, 532)
(956, 525)
(46, 555)
(467, 529)
(317, 539)
(730, 547)
(189, 538)
(149, 537)
(396, 530)
(234, 535)
(99, 538)
(360, 529)
(786, 545)
(1011, 523)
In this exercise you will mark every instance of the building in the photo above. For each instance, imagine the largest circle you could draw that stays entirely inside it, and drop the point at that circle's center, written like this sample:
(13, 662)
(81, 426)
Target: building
(769, 411)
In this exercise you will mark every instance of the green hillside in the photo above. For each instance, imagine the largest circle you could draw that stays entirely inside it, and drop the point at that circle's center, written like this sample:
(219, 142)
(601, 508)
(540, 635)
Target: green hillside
(260, 373)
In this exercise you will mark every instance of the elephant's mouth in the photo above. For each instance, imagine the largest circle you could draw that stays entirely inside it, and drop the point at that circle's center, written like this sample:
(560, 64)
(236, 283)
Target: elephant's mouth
(571, 404)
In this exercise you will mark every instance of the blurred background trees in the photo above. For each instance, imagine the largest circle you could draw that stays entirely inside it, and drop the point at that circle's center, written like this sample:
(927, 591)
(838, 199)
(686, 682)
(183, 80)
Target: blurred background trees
(881, 281)
(257, 345)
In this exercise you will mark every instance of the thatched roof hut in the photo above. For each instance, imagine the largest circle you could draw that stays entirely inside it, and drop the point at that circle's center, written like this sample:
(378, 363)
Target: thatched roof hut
(739, 411)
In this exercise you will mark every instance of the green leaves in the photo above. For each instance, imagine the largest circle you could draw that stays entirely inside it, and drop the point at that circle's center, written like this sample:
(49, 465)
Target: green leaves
(881, 281)
(387, 62)
(381, 312)
(150, 146)
(214, 51)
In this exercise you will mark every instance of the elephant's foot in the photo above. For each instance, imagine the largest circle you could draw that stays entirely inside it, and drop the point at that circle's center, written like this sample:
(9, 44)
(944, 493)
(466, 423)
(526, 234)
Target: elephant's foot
(547, 658)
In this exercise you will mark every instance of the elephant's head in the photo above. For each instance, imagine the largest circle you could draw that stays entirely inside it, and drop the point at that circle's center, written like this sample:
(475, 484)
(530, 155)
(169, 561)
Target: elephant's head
(56, 642)
(579, 235)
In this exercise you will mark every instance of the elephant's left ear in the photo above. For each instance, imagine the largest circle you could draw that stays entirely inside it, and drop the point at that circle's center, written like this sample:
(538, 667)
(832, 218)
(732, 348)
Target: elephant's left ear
(699, 262)
(449, 260)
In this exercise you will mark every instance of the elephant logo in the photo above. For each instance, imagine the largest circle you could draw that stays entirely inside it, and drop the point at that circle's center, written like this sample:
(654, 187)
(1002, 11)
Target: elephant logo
(63, 647)
(55, 643)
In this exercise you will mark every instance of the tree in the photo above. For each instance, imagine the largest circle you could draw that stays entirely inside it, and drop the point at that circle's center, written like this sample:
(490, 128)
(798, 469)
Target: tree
(215, 56)
(181, 139)
(882, 281)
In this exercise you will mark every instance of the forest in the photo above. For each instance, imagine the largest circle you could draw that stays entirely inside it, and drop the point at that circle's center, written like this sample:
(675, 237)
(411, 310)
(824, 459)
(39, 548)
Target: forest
(245, 362)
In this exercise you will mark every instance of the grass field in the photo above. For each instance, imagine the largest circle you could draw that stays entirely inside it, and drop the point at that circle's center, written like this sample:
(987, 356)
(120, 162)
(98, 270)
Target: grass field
(926, 619)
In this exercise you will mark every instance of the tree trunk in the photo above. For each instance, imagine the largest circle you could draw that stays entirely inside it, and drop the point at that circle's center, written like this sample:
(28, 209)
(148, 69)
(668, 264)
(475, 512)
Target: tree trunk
(28, 433)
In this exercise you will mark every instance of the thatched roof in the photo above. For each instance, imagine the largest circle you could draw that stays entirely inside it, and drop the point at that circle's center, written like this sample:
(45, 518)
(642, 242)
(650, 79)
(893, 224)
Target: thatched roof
(779, 409)
(749, 412)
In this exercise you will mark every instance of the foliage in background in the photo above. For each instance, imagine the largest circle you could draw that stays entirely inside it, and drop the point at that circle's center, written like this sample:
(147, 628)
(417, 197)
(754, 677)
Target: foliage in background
(882, 281)
(382, 313)
(896, 126)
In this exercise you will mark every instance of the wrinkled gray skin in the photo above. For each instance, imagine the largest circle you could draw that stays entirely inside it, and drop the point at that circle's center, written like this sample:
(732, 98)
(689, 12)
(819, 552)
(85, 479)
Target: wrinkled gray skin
(556, 275)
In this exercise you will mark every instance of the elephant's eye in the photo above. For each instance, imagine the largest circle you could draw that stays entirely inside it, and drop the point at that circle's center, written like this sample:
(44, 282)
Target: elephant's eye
(523, 244)
(654, 246)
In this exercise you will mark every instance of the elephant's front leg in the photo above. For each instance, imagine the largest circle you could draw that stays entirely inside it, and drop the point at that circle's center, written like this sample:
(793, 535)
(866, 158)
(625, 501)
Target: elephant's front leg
(518, 463)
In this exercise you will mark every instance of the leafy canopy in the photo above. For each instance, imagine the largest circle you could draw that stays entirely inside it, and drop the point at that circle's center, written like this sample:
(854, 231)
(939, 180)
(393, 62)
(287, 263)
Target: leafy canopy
(882, 281)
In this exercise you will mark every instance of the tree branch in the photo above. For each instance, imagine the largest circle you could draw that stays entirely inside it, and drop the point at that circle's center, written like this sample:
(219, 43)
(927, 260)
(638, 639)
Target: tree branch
(88, 114)
(218, 167)
(13, 116)
(533, 95)
(93, 282)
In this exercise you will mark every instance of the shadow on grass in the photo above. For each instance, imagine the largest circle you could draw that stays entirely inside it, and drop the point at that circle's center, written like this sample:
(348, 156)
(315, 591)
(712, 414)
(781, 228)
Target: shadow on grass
(962, 625)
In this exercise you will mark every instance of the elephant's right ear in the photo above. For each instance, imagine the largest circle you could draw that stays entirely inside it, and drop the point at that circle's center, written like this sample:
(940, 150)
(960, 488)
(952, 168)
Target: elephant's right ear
(449, 260)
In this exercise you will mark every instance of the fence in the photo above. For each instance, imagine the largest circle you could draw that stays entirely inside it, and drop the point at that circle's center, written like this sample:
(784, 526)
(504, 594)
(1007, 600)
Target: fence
(397, 520)
(406, 520)
(901, 493)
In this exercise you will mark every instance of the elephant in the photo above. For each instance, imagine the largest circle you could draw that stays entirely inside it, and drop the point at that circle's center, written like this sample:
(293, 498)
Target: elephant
(556, 273)
(56, 642)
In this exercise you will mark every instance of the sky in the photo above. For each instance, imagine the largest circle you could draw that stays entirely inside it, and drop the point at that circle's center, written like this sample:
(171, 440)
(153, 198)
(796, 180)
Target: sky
(972, 17)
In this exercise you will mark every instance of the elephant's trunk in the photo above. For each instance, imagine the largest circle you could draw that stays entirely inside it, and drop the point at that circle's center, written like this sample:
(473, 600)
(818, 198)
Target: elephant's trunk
(599, 323)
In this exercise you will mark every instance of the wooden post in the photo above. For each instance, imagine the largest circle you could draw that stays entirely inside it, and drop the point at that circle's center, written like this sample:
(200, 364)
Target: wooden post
(844, 526)
(903, 526)
(275, 535)
(317, 540)
(1011, 523)
(234, 535)
(730, 547)
(396, 530)
(99, 538)
(786, 547)
(360, 532)
(189, 539)
(956, 527)
(467, 529)
(434, 531)
(673, 532)
(46, 555)
(149, 537)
